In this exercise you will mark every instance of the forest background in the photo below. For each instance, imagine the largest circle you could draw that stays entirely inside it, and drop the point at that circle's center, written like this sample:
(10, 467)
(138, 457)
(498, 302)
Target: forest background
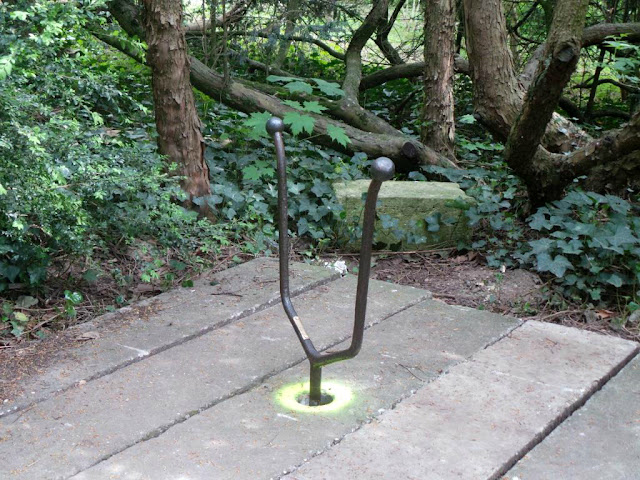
(118, 179)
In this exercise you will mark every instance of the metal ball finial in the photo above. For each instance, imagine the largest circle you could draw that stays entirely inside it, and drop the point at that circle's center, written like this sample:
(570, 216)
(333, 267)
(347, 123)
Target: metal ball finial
(275, 124)
(382, 169)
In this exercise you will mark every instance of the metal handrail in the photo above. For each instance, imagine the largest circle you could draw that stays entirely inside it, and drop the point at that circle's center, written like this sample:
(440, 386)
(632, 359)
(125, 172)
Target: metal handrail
(382, 169)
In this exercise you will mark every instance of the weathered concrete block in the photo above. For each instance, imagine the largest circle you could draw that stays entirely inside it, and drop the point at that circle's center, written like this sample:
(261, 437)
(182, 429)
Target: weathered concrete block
(417, 215)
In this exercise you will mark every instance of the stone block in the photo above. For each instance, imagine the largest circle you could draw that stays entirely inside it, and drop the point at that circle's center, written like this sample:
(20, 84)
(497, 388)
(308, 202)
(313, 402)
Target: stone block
(403, 208)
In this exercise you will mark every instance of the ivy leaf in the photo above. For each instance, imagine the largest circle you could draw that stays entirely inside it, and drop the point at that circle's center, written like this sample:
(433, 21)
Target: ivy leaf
(21, 317)
(320, 188)
(313, 107)
(299, 86)
(538, 220)
(293, 104)
(3, 191)
(614, 279)
(278, 78)
(467, 119)
(303, 226)
(299, 123)
(330, 89)
(558, 265)
(623, 236)
(25, 301)
(433, 222)
(338, 135)
(257, 122)
(251, 173)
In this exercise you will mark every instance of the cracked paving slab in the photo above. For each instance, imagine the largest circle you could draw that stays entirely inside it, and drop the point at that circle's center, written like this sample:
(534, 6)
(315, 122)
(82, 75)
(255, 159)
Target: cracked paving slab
(253, 436)
(81, 426)
(601, 441)
(476, 421)
(157, 323)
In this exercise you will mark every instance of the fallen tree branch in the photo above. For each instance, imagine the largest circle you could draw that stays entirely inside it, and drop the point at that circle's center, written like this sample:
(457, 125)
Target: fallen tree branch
(406, 70)
(406, 151)
(620, 85)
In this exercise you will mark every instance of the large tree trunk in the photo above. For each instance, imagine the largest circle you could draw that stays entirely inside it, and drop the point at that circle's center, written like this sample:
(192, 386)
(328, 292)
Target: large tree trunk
(500, 105)
(497, 96)
(523, 152)
(381, 140)
(177, 122)
(438, 131)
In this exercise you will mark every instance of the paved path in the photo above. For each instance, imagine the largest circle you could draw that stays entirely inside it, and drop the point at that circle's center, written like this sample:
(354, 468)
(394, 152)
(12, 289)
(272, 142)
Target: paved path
(200, 383)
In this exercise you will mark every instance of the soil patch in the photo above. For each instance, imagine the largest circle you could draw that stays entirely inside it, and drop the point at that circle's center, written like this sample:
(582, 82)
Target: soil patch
(464, 279)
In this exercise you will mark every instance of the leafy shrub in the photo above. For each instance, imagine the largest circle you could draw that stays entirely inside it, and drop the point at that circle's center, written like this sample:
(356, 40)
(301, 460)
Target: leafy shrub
(244, 183)
(589, 244)
(75, 177)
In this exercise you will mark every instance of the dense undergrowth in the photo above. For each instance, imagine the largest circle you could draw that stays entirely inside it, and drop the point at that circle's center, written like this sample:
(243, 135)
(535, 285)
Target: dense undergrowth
(88, 212)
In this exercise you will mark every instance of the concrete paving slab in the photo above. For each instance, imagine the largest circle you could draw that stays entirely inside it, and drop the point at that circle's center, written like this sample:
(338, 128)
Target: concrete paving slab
(158, 323)
(601, 441)
(477, 420)
(81, 426)
(253, 436)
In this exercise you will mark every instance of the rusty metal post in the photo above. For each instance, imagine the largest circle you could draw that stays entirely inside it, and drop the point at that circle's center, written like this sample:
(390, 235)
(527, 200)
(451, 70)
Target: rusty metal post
(382, 169)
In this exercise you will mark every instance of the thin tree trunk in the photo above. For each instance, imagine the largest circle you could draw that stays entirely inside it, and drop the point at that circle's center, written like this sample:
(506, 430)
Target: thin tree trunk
(177, 122)
(438, 131)
(523, 152)
(353, 57)
(497, 96)
(292, 13)
(382, 37)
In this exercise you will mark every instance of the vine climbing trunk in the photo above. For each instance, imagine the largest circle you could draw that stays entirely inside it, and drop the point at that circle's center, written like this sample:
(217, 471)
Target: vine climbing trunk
(177, 121)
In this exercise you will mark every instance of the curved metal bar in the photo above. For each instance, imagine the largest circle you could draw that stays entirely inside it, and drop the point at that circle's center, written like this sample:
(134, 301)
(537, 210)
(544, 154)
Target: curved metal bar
(381, 170)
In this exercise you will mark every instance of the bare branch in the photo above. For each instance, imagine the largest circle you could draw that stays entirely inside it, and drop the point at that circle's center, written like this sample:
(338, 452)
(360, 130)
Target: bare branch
(382, 37)
(622, 86)
(296, 38)
(353, 59)
(593, 35)
(406, 70)
(233, 15)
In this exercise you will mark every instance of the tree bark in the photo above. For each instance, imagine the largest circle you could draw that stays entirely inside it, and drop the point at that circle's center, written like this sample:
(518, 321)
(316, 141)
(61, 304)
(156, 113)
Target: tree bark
(406, 70)
(353, 57)
(497, 96)
(382, 37)
(523, 150)
(407, 152)
(177, 122)
(438, 124)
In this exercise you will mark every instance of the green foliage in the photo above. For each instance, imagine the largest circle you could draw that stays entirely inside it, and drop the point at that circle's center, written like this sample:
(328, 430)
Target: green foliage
(595, 237)
(244, 184)
(77, 177)
(588, 244)
(338, 135)
(299, 123)
(297, 85)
